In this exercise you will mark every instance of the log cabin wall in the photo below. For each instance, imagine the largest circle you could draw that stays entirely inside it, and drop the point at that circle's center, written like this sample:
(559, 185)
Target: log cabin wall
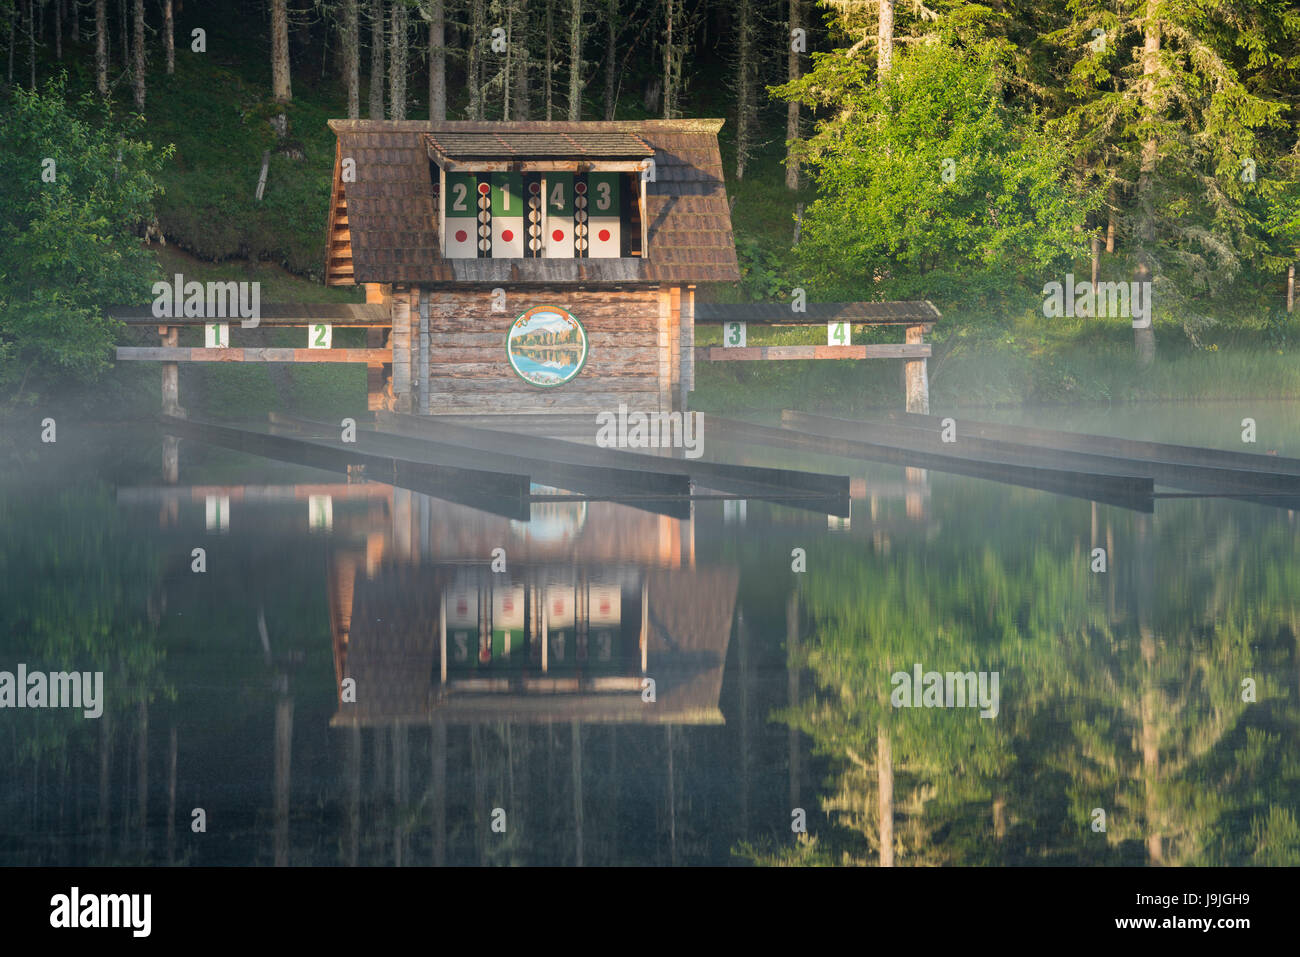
(632, 357)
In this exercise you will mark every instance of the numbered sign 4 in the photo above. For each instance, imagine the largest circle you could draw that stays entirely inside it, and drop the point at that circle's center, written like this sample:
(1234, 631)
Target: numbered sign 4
(216, 335)
(559, 216)
(320, 335)
(733, 335)
(838, 334)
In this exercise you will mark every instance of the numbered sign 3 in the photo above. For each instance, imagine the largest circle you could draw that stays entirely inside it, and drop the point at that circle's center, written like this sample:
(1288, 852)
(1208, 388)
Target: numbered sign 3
(838, 334)
(461, 208)
(216, 335)
(733, 335)
(604, 240)
(319, 335)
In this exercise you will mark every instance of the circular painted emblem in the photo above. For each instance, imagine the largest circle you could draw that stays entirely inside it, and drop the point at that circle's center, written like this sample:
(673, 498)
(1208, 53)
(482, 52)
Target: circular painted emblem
(546, 346)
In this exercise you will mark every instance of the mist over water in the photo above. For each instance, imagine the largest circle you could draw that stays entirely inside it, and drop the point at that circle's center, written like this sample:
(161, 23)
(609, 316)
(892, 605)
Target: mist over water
(1120, 691)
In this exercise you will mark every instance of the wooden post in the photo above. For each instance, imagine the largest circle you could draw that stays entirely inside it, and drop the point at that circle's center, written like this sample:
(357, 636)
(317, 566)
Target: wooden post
(171, 377)
(916, 378)
(792, 689)
(885, 782)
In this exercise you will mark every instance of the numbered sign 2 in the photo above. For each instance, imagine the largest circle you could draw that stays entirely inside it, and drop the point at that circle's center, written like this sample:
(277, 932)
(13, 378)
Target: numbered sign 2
(838, 334)
(320, 512)
(733, 335)
(216, 335)
(319, 335)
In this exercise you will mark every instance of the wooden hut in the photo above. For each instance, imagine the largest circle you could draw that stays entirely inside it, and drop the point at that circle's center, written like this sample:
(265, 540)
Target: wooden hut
(533, 266)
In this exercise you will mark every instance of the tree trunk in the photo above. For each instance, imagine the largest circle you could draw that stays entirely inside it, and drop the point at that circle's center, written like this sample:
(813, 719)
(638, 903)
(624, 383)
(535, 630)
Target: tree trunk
(519, 43)
(31, 40)
(1096, 257)
(169, 36)
(1290, 288)
(137, 57)
(885, 784)
(438, 62)
(792, 108)
(58, 30)
(397, 64)
(611, 66)
(1144, 339)
(350, 41)
(670, 8)
(280, 88)
(550, 57)
(101, 47)
(744, 84)
(575, 60)
(376, 59)
(474, 67)
(1110, 223)
(885, 39)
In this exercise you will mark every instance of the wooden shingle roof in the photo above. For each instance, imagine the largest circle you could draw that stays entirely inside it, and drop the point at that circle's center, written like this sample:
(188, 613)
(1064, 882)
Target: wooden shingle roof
(530, 144)
(389, 212)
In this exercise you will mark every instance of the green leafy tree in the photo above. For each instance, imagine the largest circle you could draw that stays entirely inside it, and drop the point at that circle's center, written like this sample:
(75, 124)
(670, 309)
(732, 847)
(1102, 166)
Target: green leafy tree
(76, 189)
(930, 185)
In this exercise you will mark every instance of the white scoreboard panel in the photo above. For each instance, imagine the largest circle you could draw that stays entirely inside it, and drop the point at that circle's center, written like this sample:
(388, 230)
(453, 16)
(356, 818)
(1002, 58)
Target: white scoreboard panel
(507, 215)
(460, 209)
(605, 211)
(558, 234)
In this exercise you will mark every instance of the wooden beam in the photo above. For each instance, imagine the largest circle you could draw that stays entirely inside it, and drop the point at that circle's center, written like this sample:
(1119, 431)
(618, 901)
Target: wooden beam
(187, 354)
(283, 314)
(757, 353)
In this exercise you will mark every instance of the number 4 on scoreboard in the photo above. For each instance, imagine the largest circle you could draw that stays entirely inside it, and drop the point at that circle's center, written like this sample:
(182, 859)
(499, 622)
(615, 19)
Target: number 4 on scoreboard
(838, 334)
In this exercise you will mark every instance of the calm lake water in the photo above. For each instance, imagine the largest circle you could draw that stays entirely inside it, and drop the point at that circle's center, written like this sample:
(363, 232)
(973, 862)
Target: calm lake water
(1147, 714)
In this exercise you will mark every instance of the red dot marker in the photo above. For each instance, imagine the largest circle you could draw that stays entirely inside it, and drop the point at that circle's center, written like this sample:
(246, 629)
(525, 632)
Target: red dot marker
(461, 235)
(483, 188)
(507, 235)
(604, 235)
(558, 235)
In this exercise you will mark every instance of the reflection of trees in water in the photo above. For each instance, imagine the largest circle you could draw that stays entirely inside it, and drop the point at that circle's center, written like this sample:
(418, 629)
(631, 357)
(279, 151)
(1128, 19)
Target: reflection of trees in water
(79, 592)
(1137, 712)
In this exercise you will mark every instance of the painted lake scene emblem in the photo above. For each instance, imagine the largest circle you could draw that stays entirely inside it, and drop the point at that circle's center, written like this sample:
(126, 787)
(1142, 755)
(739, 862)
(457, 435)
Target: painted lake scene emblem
(547, 346)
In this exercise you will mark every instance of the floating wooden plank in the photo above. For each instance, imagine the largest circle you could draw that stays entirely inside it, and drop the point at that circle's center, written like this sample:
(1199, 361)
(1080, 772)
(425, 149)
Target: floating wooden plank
(1201, 478)
(194, 354)
(1105, 444)
(499, 493)
(771, 484)
(1125, 491)
(643, 487)
(757, 353)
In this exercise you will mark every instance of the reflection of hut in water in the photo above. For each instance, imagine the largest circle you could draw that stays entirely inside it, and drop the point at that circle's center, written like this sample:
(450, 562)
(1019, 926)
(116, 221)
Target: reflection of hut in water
(541, 644)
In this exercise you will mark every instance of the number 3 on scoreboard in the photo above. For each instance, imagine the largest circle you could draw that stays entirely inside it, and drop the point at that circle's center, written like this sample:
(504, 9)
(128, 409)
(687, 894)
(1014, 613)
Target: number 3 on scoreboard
(838, 334)
(733, 335)
(321, 335)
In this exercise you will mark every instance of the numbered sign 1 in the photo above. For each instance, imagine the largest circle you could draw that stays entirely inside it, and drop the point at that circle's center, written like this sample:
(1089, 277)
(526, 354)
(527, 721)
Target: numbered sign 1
(216, 335)
(733, 334)
(320, 335)
(217, 513)
(320, 512)
(838, 334)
